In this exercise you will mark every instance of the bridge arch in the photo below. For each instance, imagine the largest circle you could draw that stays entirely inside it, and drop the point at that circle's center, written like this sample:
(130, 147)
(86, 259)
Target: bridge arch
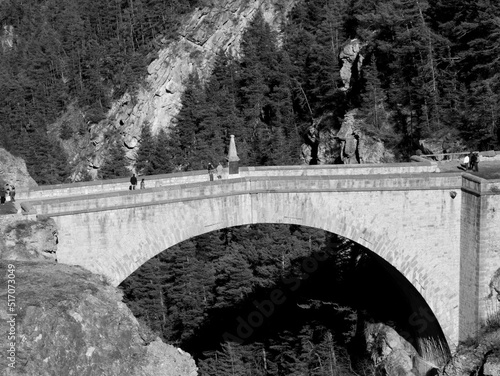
(119, 240)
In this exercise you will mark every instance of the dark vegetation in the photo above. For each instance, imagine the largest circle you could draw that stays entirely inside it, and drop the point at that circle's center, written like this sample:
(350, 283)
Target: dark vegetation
(429, 69)
(72, 52)
(273, 299)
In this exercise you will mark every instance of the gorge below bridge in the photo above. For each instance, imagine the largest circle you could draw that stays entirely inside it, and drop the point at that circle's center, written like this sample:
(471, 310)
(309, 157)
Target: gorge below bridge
(437, 231)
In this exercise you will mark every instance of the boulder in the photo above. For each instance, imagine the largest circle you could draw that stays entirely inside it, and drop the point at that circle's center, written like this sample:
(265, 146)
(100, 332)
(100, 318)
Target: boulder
(491, 366)
(392, 354)
(360, 147)
(70, 322)
(346, 143)
(23, 240)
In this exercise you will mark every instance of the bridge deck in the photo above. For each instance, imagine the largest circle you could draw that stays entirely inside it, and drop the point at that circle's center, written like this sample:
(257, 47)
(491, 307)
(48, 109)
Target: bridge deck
(115, 185)
(248, 185)
(98, 195)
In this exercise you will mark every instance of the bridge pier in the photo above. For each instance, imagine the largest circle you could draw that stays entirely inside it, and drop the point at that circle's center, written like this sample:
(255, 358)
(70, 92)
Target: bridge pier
(480, 250)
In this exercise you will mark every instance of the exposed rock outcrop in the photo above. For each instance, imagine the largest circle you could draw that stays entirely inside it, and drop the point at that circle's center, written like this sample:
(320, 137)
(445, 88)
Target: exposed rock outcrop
(469, 360)
(23, 239)
(359, 147)
(483, 353)
(442, 144)
(493, 298)
(7, 37)
(352, 60)
(13, 171)
(347, 145)
(68, 321)
(393, 355)
(218, 25)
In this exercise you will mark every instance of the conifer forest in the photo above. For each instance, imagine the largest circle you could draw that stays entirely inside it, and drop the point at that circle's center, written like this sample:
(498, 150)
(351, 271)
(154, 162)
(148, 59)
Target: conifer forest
(431, 68)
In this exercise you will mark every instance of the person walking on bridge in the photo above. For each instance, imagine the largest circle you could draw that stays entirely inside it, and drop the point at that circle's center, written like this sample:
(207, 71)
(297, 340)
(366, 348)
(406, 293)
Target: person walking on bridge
(133, 182)
(12, 193)
(474, 161)
(211, 171)
(465, 163)
(219, 171)
(3, 192)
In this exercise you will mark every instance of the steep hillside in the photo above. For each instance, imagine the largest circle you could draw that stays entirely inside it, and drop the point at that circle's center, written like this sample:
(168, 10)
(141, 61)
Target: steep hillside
(64, 320)
(204, 32)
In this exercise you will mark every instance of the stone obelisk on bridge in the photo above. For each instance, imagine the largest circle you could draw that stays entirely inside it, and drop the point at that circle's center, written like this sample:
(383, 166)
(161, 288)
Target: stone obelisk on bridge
(233, 157)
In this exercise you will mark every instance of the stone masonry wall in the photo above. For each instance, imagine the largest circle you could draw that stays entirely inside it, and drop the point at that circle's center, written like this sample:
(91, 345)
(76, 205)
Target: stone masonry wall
(489, 250)
(412, 222)
(120, 185)
(469, 261)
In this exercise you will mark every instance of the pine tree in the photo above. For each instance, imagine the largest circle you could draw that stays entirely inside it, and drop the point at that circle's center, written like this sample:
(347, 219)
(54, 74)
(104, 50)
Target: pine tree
(374, 102)
(193, 146)
(225, 362)
(222, 117)
(145, 293)
(330, 361)
(315, 39)
(266, 100)
(233, 274)
(143, 162)
(284, 356)
(115, 163)
(161, 160)
(189, 287)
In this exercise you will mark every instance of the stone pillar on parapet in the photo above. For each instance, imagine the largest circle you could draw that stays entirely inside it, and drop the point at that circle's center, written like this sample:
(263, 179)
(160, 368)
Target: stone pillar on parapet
(233, 158)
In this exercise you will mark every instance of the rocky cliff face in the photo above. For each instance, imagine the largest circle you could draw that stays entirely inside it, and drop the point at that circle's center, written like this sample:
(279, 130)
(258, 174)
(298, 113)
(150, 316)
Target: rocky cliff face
(13, 171)
(347, 145)
(218, 25)
(68, 321)
(207, 30)
(27, 239)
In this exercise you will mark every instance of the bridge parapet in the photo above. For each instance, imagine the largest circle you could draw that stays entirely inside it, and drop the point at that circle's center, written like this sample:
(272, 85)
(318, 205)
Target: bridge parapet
(121, 185)
(245, 185)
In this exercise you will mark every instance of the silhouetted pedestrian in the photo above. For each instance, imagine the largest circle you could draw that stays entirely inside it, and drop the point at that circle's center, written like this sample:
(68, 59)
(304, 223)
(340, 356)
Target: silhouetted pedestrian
(474, 161)
(465, 164)
(219, 171)
(3, 192)
(133, 182)
(143, 184)
(7, 192)
(12, 193)
(211, 171)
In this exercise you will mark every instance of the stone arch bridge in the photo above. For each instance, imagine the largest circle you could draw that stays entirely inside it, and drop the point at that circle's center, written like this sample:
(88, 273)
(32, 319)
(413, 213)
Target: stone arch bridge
(438, 230)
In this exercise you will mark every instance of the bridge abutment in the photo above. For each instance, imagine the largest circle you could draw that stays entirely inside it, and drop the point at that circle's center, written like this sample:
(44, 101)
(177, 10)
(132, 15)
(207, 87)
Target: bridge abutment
(480, 253)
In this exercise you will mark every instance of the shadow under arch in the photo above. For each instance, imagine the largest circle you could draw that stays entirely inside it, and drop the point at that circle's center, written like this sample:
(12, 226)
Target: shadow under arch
(431, 341)
(417, 323)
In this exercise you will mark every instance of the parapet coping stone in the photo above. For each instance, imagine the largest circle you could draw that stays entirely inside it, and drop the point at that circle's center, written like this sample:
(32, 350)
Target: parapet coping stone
(183, 186)
(174, 175)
